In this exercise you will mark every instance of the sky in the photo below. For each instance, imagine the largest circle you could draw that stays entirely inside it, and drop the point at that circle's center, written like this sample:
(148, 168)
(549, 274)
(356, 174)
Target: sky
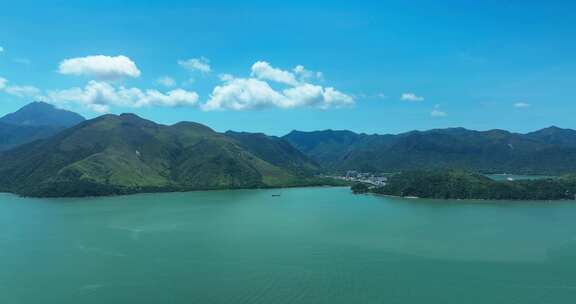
(263, 66)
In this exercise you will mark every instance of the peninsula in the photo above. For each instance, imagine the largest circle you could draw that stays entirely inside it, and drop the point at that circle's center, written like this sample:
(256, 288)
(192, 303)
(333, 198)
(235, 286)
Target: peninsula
(458, 184)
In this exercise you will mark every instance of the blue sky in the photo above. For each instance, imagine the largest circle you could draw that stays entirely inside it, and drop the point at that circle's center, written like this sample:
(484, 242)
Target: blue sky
(369, 67)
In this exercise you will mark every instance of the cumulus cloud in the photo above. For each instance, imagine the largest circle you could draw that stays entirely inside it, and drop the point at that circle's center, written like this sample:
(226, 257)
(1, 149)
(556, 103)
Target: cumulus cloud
(264, 71)
(436, 112)
(256, 93)
(251, 93)
(166, 81)
(411, 97)
(98, 96)
(521, 105)
(201, 64)
(101, 67)
(316, 96)
(243, 94)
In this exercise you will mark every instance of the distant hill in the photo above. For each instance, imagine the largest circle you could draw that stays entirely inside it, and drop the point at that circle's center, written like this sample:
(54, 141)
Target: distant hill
(548, 151)
(122, 154)
(34, 121)
(42, 114)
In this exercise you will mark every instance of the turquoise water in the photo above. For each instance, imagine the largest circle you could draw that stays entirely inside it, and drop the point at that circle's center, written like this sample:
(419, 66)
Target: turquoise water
(312, 245)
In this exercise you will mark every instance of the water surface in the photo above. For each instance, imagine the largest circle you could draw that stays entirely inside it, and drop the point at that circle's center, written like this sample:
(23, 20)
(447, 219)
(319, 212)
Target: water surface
(311, 245)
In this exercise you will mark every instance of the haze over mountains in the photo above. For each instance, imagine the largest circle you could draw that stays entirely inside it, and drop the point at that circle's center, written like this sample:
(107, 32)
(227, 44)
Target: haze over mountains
(64, 155)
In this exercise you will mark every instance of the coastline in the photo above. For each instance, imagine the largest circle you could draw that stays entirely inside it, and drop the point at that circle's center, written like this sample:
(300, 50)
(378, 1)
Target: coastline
(470, 200)
(177, 191)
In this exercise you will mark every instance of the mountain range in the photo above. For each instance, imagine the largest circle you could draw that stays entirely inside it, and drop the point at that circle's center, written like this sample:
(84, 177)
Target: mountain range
(547, 151)
(120, 154)
(53, 152)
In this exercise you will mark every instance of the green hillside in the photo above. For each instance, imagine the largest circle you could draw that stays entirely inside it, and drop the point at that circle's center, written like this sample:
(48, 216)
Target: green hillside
(126, 154)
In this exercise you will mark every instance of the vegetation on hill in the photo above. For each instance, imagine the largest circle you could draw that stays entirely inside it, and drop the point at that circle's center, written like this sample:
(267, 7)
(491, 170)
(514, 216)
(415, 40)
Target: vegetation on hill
(456, 184)
(548, 151)
(127, 154)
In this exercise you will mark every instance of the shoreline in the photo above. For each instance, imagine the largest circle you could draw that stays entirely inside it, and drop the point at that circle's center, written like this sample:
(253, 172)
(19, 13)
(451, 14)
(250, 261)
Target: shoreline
(163, 192)
(415, 198)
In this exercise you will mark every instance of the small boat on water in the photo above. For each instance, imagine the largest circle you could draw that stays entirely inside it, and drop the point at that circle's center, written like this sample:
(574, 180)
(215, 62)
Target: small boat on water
(275, 195)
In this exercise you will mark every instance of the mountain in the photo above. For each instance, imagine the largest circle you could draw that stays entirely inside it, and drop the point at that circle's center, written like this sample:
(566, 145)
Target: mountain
(42, 114)
(34, 121)
(548, 151)
(555, 136)
(275, 150)
(119, 154)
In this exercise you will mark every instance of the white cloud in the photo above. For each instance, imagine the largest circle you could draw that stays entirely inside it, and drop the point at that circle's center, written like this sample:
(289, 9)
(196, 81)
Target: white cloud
(166, 81)
(411, 97)
(437, 113)
(243, 94)
(99, 96)
(521, 105)
(251, 93)
(264, 71)
(255, 92)
(304, 74)
(23, 91)
(100, 66)
(201, 64)
(225, 77)
(1, 49)
(316, 96)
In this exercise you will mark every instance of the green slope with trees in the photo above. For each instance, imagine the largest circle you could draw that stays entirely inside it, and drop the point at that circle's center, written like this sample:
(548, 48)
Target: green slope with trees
(127, 154)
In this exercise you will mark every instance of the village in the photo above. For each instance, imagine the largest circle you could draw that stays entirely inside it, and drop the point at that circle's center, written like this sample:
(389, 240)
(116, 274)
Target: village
(363, 177)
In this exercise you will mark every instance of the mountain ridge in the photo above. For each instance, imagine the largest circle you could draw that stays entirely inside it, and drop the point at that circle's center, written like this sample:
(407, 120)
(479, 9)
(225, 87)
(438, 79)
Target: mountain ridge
(122, 154)
(550, 150)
